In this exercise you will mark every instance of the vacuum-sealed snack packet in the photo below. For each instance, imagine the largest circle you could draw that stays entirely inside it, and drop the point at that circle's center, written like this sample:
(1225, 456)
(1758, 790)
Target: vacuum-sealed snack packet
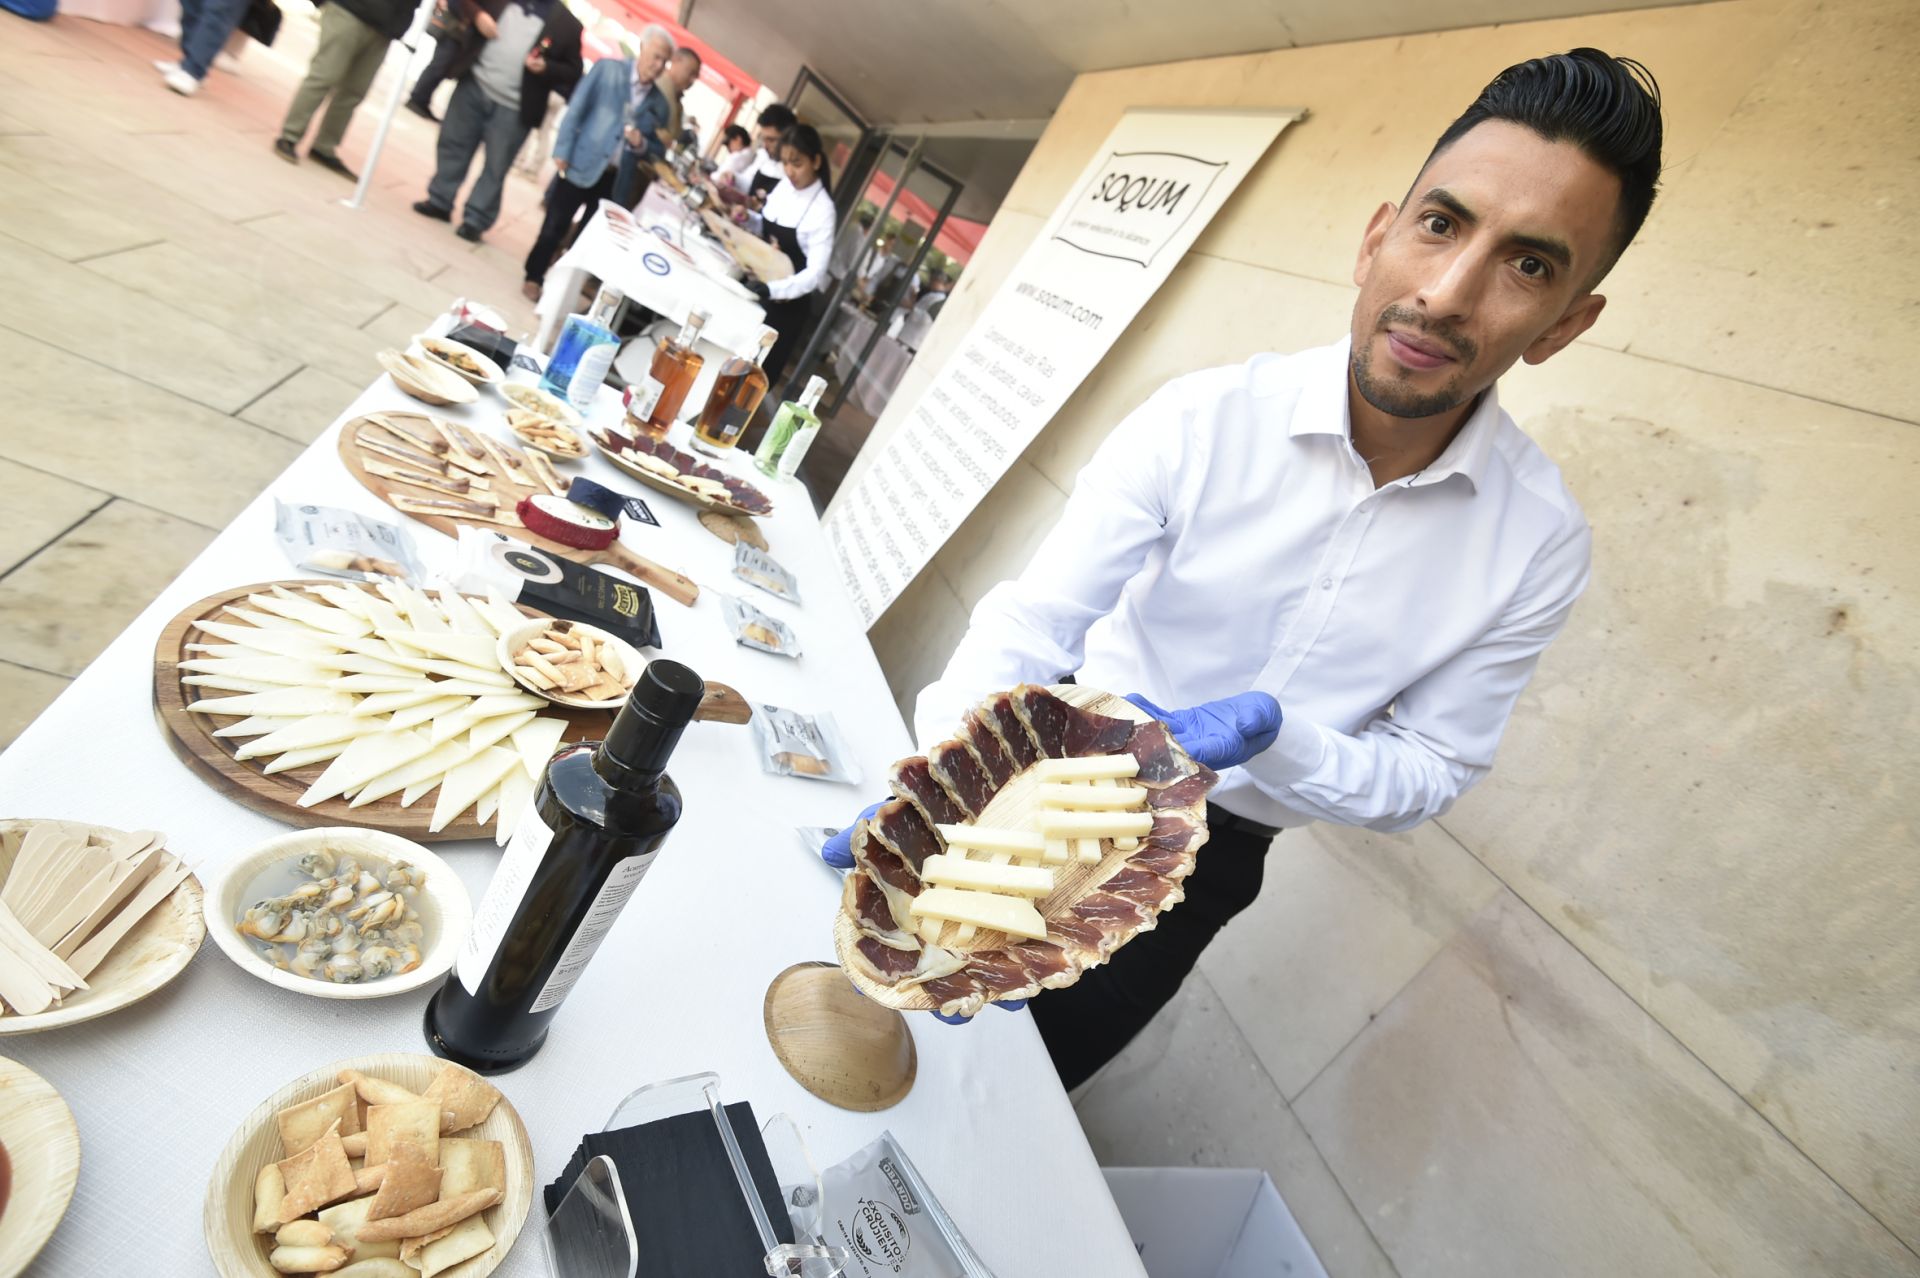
(877, 1206)
(752, 628)
(792, 744)
(343, 543)
(758, 568)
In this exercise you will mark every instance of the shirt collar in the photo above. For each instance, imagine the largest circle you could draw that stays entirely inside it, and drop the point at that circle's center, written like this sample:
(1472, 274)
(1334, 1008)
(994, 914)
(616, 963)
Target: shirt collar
(1322, 409)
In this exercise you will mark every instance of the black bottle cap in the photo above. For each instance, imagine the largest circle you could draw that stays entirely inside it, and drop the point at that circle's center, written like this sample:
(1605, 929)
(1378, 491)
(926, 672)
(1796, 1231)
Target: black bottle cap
(658, 710)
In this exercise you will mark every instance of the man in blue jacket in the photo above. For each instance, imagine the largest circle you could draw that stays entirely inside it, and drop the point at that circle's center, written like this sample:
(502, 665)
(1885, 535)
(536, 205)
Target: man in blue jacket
(589, 140)
(354, 35)
(648, 115)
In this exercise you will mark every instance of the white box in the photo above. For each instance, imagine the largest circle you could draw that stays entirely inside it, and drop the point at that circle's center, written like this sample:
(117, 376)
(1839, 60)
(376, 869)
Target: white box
(1211, 1222)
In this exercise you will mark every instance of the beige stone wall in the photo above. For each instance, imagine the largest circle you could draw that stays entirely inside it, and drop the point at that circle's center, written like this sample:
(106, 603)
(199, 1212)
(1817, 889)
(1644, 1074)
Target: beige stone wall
(1647, 1001)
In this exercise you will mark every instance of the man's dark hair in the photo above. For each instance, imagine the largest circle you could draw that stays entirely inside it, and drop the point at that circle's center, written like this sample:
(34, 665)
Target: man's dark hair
(1608, 107)
(684, 52)
(777, 116)
(737, 133)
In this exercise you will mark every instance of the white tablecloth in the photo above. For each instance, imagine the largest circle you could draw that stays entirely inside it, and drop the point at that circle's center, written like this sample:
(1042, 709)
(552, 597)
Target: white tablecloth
(666, 265)
(158, 1088)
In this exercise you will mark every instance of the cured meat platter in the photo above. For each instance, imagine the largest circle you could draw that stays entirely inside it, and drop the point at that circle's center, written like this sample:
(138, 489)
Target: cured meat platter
(678, 473)
(1067, 816)
(236, 644)
(444, 475)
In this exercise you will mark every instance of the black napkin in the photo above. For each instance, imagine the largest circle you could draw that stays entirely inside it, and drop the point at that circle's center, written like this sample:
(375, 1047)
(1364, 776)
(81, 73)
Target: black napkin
(682, 1194)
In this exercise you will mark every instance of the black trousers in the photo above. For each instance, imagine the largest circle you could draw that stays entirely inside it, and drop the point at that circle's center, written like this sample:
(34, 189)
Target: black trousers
(1086, 1024)
(445, 48)
(564, 202)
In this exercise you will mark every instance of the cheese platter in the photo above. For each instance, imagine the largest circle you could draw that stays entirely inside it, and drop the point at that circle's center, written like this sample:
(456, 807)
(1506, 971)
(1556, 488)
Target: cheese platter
(445, 475)
(1056, 826)
(331, 703)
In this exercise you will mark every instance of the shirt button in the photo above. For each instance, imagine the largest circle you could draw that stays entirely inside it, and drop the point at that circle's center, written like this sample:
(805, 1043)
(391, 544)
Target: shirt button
(1326, 583)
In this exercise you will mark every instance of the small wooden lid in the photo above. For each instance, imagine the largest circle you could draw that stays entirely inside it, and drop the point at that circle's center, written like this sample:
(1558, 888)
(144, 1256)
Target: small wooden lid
(837, 1043)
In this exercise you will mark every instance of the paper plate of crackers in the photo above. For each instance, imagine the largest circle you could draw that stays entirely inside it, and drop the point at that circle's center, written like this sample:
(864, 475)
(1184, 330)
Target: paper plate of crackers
(571, 663)
(391, 1166)
(1053, 828)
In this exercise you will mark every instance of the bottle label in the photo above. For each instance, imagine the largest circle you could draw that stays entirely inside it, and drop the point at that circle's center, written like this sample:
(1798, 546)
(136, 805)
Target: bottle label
(525, 850)
(589, 373)
(646, 396)
(733, 421)
(796, 450)
(606, 907)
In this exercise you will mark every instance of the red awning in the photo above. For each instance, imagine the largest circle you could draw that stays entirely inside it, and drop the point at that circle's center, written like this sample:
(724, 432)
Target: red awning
(720, 75)
(958, 237)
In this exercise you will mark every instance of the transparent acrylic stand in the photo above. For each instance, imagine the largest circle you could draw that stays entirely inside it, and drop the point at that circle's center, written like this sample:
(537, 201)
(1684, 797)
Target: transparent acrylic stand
(590, 1235)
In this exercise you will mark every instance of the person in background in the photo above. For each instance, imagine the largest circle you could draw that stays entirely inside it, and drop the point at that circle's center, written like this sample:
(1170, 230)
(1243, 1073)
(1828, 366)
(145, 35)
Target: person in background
(912, 326)
(768, 168)
(798, 219)
(448, 26)
(737, 158)
(204, 28)
(587, 149)
(682, 70)
(647, 113)
(354, 35)
(847, 249)
(518, 53)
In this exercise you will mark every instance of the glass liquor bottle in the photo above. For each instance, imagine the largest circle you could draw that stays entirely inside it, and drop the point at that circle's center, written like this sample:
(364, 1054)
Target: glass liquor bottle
(584, 352)
(793, 429)
(735, 396)
(588, 836)
(676, 366)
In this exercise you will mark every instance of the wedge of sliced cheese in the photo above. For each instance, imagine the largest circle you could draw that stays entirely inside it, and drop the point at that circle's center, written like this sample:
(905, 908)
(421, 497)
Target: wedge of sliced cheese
(317, 615)
(281, 701)
(491, 731)
(227, 683)
(426, 710)
(428, 767)
(988, 839)
(419, 692)
(1098, 765)
(360, 663)
(1093, 825)
(463, 786)
(1057, 794)
(469, 688)
(314, 730)
(299, 643)
(516, 789)
(462, 617)
(453, 669)
(984, 876)
(448, 726)
(283, 670)
(499, 611)
(375, 682)
(301, 758)
(364, 759)
(258, 725)
(266, 620)
(1009, 914)
(347, 599)
(536, 741)
(479, 651)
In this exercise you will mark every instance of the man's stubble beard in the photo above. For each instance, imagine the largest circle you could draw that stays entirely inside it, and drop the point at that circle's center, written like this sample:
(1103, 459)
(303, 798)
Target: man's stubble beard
(1401, 402)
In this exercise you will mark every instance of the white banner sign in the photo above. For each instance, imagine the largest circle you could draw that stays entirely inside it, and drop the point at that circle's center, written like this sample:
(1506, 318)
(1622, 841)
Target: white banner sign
(1151, 189)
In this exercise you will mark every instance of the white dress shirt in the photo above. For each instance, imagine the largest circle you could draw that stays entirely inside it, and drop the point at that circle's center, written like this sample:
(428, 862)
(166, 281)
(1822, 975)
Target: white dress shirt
(1227, 537)
(810, 213)
(741, 165)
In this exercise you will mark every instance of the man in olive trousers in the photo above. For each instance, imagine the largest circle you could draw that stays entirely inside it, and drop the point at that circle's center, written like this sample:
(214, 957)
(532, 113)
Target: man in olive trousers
(354, 35)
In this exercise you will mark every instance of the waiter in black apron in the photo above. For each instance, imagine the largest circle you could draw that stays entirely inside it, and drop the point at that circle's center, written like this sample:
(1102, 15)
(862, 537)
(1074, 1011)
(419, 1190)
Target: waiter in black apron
(767, 171)
(798, 219)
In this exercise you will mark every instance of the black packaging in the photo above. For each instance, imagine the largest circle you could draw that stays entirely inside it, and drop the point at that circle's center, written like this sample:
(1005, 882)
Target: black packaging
(556, 586)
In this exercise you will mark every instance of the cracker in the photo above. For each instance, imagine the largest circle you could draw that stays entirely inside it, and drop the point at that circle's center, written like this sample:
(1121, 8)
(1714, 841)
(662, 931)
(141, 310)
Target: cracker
(411, 1181)
(468, 1096)
(375, 1091)
(424, 1220)
(345, 1220)
(318, 1176)
(416, 1121)
(269, 1188)
(463, 1242)
(467, 1165)
(303, 1124)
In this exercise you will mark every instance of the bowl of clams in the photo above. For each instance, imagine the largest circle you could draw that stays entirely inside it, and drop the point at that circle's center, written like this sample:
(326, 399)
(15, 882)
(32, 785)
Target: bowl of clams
(340, 912)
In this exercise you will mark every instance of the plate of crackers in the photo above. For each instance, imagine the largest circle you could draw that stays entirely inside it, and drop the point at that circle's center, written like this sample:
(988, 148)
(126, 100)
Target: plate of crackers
(390, 1166)
(571, 664)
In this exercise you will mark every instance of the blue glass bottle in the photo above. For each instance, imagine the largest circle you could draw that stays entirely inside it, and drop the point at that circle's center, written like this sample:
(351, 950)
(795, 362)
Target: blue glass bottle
(584, 352)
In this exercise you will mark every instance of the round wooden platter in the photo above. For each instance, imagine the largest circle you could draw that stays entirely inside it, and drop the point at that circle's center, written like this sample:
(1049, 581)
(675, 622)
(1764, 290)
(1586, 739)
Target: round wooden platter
(1013, 808)
(44, 1146)
(191, 737)
(847, 1050)
(507, 492)
(660, 483)
(156, 950)
(228, 1217)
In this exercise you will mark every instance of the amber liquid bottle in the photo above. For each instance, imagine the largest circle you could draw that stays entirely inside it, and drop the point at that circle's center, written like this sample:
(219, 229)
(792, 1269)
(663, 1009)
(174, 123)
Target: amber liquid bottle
(585, 841)
(676, 365)
(735, 396)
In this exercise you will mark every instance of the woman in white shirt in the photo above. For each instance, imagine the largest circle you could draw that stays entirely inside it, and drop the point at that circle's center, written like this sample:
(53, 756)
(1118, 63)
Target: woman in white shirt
(737, 163)
(798, 218)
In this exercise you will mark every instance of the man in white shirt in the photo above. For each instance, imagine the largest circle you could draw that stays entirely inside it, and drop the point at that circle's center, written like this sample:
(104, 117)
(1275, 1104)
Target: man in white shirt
(1348, 561)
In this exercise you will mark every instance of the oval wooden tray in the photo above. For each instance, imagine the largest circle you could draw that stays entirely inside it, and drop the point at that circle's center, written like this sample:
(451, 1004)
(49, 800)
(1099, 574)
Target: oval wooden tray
(156, 950)
(1012, 807)
(44, 1145)
(674, 585)
(228, 1218)
(660, 483)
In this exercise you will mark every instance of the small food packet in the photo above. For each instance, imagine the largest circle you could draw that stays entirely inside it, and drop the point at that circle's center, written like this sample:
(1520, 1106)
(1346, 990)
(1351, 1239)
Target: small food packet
(877, 1206)
(755, 629)
(341, 543)
(758, 568)
(792, 744)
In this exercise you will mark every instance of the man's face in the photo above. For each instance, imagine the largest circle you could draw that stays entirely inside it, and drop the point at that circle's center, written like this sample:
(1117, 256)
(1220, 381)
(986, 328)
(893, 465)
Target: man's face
(653, 58)
(1488, 262)
(769, 139)
(684, 72)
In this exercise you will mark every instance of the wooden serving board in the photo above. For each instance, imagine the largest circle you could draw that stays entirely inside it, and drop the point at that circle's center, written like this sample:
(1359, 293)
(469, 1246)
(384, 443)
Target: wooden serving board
(190, 736)
(661, 483)
(227, 1217)
(507, 492)
(1014, 807)
(757, 257)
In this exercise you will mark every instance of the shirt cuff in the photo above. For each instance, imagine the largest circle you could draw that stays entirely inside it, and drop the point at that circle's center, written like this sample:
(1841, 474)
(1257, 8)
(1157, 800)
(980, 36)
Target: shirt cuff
(1296, 753)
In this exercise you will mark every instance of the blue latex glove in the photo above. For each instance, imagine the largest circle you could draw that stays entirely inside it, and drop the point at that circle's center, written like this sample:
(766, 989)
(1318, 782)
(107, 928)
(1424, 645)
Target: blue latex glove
(1221, 734)
(838, 851)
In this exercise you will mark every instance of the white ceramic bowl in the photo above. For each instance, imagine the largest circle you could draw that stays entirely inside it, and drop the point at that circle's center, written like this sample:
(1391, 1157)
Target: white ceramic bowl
(535, 400)
(438, 349)
(510, 643)
(445, 910)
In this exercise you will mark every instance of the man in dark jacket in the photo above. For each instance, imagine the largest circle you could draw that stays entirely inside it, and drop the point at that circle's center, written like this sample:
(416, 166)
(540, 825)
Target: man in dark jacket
(354, 35)
(518, 52)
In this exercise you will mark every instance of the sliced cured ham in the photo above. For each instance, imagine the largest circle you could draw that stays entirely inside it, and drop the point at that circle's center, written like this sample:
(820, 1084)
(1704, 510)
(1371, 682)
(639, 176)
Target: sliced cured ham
(997, 712)
(1145, 887)
(867, 902)
(890, 963)
(1172, 862)
(1152, 747)
(1174, 830)
(1044, 962)
(1077, 933)
(1045, 716)
(913, 781)
(960, 774)
(959, 994)
(993, 756)
(1089, 733)
(887, 870)
(1001, 974)
(905, 832)
(1185, 791)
